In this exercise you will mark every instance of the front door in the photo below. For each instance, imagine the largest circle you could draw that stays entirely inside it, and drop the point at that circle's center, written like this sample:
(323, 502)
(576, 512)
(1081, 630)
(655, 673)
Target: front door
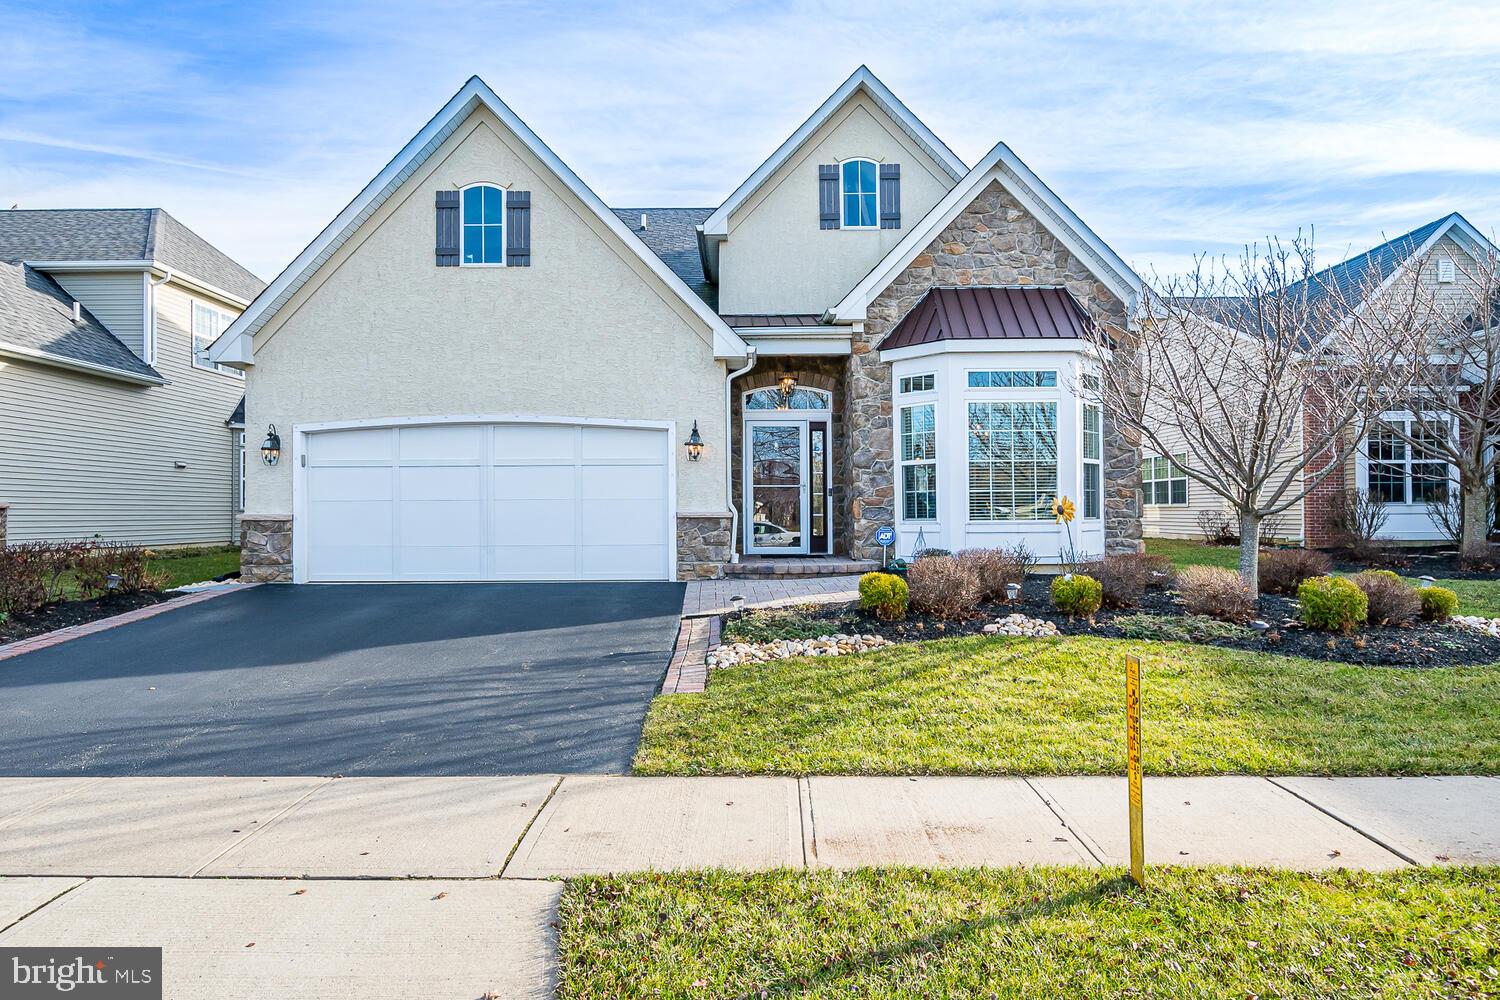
(777, 487)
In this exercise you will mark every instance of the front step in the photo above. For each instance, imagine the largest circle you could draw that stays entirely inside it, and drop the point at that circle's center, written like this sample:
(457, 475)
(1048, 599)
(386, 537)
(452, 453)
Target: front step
(763, 566)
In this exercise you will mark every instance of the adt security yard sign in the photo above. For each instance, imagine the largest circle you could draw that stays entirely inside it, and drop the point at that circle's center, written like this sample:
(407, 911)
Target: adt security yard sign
(885, 538)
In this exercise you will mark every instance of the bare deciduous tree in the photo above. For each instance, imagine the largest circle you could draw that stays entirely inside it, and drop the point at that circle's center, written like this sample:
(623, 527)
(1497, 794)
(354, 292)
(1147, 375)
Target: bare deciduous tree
(1454, 398)
(1252, 372)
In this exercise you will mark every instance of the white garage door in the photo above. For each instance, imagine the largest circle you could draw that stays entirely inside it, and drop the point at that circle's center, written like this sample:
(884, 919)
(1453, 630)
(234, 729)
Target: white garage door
(518, 501)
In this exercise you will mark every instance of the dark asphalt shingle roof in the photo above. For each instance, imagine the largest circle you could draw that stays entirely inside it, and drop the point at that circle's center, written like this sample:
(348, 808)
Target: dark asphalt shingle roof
(672, 234)
(37, 314)
(1355, 275)
(120, 234)
(237, 418)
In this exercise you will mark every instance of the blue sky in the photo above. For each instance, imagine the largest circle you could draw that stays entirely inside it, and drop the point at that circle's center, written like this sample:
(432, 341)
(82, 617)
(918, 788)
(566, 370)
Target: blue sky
(1171, 128)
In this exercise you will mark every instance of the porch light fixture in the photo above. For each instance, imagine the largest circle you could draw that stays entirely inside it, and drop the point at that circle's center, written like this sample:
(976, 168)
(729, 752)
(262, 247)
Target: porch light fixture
(270, 448)
(694, 444)
(787, 386)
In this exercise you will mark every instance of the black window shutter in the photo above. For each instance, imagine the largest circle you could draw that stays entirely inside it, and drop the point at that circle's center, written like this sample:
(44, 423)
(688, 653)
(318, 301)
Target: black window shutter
(890, 196)
(518, 228)
(828, 196)
(447, 229)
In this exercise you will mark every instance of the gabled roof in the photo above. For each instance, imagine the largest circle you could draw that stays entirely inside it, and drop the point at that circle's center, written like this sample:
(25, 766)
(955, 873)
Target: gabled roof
(999, 164)
(1026, 312)
(235, 343)
(36, 321)
(136, 236)
(717, 224)
(672, 234)
(1378, 263)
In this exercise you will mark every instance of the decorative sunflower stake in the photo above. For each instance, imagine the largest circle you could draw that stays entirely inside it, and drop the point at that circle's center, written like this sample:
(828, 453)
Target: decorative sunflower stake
(1064, 511)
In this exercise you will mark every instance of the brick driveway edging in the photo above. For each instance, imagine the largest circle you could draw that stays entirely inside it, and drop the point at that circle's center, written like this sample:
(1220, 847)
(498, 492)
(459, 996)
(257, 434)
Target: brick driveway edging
(62, 635)
(687, 673)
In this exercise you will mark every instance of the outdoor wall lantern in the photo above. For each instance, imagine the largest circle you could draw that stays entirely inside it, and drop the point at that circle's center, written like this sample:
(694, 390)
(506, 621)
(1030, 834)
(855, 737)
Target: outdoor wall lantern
(694, 444)
(270, 448)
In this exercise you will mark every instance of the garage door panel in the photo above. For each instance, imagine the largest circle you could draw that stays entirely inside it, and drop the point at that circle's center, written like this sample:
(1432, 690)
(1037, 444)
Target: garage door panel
(363, 483)
(534, 482)
(535, 441)
(622, 444)
(442, 562)
(623, 482)
(442, 443)
(350, 562)
(534, 562)
(533, 522)
(440, 482)
(440, 522)
(622, 522)
(621, 562)
(354, 522)
(350, 446)
(516, 501)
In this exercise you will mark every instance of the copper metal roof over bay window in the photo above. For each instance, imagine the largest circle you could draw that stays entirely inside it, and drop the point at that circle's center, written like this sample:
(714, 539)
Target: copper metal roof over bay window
(989, 313)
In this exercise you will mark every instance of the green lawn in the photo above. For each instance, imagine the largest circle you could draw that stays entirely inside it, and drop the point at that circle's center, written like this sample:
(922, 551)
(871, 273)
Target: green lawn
(186, 566)
(1475, 597)
(1019, 932)
(1025, 706)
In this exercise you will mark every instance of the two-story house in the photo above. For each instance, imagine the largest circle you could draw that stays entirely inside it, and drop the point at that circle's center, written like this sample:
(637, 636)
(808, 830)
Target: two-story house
(114, 422)
(479, 371)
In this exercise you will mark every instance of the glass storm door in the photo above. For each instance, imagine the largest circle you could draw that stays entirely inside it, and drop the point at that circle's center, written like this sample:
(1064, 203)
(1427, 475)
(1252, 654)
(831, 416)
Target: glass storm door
(776, 487)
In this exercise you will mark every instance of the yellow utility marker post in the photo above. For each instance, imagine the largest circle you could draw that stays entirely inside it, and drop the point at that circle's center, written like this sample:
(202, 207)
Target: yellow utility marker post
(1133, 767)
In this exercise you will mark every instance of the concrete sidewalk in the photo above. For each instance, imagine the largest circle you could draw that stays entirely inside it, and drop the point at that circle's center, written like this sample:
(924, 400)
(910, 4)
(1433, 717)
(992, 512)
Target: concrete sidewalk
(444, 887)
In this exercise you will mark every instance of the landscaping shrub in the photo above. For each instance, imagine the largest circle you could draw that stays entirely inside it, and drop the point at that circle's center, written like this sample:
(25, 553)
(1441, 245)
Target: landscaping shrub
(1390, 600)
(1283, 570)
(1438, 603)
(1220, 593)
(943, 586)
(1077, 595)
(1354, 520)
(996, 568)
(34, 573)
(1333, 604)
(95, 562)
(884, 595)
(1175, 628)
(1215, 528)
(1122, 580)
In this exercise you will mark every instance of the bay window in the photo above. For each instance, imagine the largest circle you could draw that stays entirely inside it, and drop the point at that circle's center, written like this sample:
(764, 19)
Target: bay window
(1012, 460)
(918, 463)
(1093, 452)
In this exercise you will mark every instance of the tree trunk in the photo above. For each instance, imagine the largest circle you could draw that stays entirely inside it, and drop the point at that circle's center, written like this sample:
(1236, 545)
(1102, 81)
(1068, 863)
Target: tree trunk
(1250, 551)
(1473, 541)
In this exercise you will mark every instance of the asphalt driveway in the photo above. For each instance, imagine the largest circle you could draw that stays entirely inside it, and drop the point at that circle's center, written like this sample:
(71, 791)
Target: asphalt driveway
(427, 679)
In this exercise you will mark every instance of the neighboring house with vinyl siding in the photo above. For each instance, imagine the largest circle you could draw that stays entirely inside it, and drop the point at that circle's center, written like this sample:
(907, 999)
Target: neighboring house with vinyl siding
(113, 422)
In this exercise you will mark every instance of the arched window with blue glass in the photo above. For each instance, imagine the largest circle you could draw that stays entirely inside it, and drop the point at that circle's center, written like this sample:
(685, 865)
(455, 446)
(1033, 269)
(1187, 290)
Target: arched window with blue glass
(860, 189)
(484, 225)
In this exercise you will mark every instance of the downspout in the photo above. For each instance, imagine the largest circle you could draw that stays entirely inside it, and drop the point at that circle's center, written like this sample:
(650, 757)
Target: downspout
(734, 512)
(154, 284)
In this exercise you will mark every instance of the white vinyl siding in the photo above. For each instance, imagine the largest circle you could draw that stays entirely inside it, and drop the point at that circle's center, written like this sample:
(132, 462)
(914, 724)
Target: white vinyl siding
(83, 456)
(117, 299)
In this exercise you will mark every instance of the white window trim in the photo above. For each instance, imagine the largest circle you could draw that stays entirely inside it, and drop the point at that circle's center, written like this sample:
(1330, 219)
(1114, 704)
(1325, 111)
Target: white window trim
(929, 399)
(504, 223)
(843, 221)
(745, 399)
(1187, 488)
(1053, 390)
(1084, 461)
(240, 440)
(1032, 396)
(917, 392)
(226, 318)
(1362, 455)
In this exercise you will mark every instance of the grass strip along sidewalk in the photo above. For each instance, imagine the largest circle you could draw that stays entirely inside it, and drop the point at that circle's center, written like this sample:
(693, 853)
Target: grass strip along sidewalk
(1024, 706)
(1032, 933)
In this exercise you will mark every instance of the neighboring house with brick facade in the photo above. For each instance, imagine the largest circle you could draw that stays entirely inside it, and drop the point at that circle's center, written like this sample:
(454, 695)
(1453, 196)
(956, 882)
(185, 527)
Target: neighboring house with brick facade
(1382, 466)
(479, 371)
(113, 421)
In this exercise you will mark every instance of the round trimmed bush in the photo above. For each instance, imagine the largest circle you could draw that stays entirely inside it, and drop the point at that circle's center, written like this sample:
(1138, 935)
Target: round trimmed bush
(1438, 603)
(1392, 601)
(884, 595)
(1077, 595)
(1333, 604)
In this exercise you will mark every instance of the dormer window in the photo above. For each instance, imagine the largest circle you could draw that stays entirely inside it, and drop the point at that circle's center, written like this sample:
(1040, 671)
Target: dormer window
(483, 225)
(860, 188)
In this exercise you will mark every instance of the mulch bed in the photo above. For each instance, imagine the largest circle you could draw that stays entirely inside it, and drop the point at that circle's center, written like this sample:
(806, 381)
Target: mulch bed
(1421, 644)
(67, 613)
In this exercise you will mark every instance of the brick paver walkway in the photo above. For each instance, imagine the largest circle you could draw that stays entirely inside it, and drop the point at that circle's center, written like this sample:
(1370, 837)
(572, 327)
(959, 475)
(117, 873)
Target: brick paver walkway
(712, 597)
(687, 673)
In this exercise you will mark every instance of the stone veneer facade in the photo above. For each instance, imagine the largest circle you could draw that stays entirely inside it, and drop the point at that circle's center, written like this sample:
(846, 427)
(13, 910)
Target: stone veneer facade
(702, 546)
(994, 241)
(265, 548)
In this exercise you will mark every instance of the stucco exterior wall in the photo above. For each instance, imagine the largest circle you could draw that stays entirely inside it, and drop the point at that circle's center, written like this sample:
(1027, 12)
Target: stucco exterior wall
(586, 331)
(777, 259)
(82, 455)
